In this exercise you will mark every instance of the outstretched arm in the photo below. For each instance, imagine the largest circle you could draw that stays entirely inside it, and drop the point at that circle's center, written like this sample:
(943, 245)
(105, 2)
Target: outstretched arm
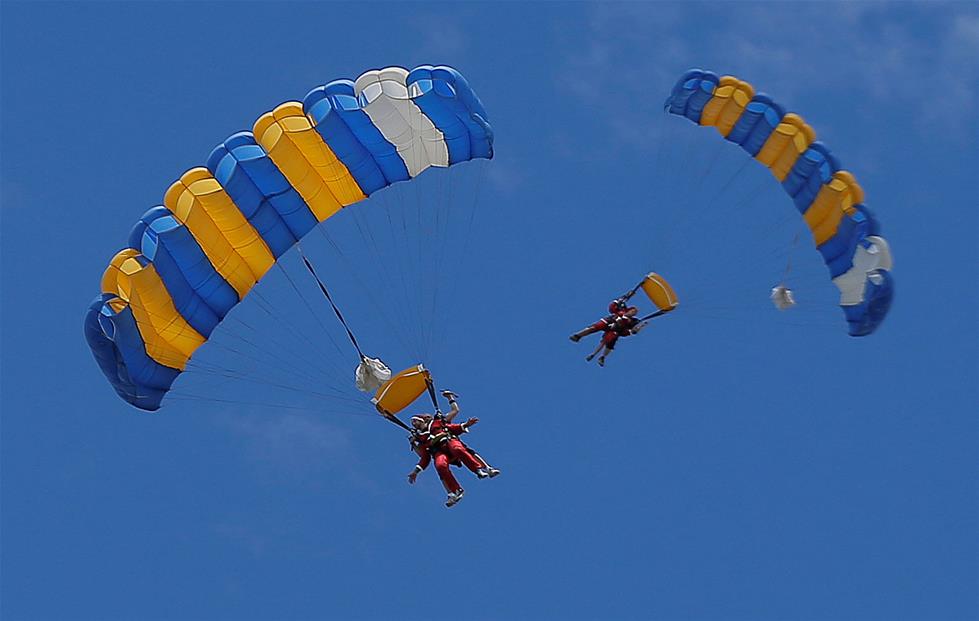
(463, 428)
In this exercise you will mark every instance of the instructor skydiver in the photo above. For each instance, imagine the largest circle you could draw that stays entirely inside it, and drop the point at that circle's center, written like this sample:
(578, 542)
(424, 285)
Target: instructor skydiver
(437, 437)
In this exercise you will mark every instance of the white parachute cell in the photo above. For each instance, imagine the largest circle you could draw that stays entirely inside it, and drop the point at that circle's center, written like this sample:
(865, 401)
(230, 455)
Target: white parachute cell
(371, 374)
(872, 255)
(385, 98)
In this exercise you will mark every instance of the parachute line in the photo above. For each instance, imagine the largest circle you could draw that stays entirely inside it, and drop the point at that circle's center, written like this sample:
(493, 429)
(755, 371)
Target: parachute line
(329, 299)
(308, 307)
(382, 310)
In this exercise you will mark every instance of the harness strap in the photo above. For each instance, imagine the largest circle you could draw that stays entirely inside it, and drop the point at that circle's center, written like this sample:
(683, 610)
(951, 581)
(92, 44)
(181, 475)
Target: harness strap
(430, 385)
(656, 314)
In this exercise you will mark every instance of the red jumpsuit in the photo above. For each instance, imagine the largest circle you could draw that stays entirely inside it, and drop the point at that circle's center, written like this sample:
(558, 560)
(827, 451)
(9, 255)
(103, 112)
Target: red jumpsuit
(441, 442)
(619, 309)
(621, 326)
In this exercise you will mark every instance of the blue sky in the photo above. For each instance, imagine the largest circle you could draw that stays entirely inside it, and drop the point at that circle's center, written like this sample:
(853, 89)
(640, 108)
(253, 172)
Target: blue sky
(729, 463)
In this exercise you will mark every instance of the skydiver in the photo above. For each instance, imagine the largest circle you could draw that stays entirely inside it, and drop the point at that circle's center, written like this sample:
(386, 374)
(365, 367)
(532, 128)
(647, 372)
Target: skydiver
(621, 322)
(625, 325)
(437, 437)
(438, 425)
(619, 307)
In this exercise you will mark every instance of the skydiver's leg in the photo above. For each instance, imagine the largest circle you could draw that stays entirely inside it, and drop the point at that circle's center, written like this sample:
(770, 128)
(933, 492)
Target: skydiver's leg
(590, 356)
(445, 473)
(601, 359)
(489, 469)
(476, 456)
(457, 450)
(577, 336)
(592, 329)
(608, 342)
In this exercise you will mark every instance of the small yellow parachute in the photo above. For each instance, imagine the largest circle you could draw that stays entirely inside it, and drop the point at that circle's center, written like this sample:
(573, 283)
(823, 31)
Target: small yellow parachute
(659, 292)
(401, 390)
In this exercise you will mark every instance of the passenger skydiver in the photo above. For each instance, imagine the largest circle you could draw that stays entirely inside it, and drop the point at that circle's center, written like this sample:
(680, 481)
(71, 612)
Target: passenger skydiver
(436, 437)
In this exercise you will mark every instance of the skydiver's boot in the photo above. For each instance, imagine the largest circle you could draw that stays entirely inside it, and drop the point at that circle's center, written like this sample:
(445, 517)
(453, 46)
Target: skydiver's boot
(592, 355)
(488, 470)
(454, 497)
(601, 361)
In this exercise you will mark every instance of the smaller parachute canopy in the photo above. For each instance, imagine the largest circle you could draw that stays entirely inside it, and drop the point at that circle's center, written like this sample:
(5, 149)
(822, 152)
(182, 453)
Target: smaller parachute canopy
(782, 297)
(371, 374)
(401, 390)
(659, 292)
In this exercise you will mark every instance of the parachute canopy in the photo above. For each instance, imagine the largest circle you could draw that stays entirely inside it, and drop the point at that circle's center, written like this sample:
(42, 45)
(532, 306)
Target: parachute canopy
(845, 232)
(659, 292)
(221, 227)
(401, 390)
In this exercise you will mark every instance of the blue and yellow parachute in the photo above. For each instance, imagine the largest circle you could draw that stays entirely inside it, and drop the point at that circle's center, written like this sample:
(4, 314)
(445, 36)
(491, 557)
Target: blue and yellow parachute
(223, 226)
(846, 233)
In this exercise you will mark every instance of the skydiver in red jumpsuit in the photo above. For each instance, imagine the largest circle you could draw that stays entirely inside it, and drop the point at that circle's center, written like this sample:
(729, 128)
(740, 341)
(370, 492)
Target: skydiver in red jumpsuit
(437, 438)
(621, 322)
(626, 325)
(619, 307)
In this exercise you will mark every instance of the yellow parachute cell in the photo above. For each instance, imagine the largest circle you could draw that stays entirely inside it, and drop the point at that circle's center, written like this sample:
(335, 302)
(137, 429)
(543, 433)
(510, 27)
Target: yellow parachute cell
(659, 292)
(401, 390)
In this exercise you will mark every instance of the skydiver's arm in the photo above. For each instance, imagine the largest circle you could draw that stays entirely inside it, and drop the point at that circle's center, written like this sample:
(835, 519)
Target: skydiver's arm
(423, 460)
(463, 428)
(453, 410)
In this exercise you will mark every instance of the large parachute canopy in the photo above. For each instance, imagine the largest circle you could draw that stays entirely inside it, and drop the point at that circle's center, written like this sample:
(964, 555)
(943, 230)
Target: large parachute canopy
(829, 199)
(223, 226)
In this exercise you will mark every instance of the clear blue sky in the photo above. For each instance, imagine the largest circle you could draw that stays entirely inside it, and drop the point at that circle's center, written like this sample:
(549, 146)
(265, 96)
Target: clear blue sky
(729, 468)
